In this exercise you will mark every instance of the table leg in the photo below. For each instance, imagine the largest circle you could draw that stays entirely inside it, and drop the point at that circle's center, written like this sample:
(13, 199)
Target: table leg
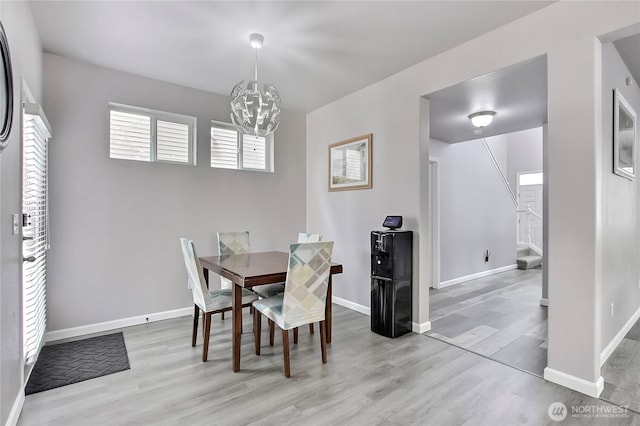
(236, 327)
(327, 312)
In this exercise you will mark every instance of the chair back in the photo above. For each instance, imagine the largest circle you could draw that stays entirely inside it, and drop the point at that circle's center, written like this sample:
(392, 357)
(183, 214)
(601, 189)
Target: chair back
(232, 243)
(195, 274)
(303, 237)
(305, 290)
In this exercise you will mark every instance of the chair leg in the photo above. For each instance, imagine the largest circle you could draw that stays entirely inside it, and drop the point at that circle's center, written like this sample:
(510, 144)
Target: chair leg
(196, 316)
(295, 335)
(285, 352)
(207, 330)
(257, 320)
(311, 328)
(222, 315)
(272, 332)
(323, 341)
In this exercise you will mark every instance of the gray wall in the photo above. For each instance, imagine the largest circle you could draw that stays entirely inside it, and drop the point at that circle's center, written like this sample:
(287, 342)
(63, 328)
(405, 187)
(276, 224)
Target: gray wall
(476, 212)
(395, 111)
(620, 231)
(115, 224)
(26, 55)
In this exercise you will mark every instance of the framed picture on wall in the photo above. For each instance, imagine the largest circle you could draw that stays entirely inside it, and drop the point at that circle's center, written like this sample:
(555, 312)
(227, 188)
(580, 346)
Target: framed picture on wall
(350, 164)
(624, 137)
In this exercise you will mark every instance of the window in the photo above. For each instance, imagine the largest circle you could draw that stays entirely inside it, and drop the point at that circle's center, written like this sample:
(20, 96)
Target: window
(526, 179)
(146, 135)
(231, 149)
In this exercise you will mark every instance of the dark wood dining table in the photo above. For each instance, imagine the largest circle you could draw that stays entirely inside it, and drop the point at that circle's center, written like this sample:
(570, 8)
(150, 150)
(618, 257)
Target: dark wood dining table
(253, 269)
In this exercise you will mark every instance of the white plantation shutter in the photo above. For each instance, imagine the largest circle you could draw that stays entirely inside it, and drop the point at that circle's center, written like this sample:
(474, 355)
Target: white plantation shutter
(172, 142)
(130, 136)
(224, 148)
(231, 149)
(253, 152)
(35, 228)
(143, 134)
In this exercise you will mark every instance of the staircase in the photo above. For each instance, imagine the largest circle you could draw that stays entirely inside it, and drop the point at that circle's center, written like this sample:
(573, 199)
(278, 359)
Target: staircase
(527, 258)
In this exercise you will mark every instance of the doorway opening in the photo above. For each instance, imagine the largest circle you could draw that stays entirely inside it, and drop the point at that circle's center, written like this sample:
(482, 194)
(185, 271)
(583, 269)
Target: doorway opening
(485, 211)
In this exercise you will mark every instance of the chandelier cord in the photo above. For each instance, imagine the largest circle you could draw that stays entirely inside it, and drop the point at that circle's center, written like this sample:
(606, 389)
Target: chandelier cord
(256, 67)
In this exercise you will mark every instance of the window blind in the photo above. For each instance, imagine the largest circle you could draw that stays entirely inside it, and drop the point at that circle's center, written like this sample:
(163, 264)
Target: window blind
(130, 136)
(253, 152)
(144, 134)
(224, 148)
(35, 228)
(172, 141)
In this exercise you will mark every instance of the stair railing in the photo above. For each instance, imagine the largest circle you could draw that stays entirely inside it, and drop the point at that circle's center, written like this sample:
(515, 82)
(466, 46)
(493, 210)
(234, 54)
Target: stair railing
(504, 180)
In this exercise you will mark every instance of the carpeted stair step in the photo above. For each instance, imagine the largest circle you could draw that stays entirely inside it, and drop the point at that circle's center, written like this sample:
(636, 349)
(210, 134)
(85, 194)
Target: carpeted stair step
(529, 261)
(523, 251)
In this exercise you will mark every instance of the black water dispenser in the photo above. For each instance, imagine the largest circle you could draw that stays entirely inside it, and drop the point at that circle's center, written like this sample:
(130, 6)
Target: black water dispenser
(391, 280)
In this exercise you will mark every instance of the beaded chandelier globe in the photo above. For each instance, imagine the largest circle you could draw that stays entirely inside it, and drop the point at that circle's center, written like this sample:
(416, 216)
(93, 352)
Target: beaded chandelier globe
(255, 110)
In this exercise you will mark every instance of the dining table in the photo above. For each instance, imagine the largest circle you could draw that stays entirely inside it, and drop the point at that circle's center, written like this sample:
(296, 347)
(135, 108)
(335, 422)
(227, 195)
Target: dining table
(253, 269)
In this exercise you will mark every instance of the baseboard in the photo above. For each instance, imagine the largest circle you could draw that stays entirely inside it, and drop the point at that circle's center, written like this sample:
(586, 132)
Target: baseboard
(351, 305)
(14, 415)
(477, 275)
(67, 333)
(544, 302)
(613, 344)
(593, 389)
(421, 328)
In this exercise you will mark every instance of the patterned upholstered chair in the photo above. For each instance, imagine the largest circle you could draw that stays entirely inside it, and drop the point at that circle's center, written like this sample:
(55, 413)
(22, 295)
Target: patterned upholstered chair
(271, 290)
(232, 243)
(206, 301)
(304, 298)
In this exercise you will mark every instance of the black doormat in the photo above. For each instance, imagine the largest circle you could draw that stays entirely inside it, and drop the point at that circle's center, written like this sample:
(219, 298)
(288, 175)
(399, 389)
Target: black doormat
(72, 362)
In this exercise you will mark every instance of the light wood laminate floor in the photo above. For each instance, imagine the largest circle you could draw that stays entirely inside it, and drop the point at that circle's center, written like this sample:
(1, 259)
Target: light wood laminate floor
(621, 372)
(369, 380)
(498, 316)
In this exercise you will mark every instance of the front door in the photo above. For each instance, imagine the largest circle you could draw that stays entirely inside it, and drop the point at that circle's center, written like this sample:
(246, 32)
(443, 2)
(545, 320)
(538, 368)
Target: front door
(530, 200)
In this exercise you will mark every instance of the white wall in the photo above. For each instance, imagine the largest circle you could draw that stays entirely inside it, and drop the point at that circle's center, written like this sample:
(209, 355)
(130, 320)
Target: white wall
(115, 224)
(397, 115)
(620, 227)
(26, 55)
(476, 211)
(524, 154)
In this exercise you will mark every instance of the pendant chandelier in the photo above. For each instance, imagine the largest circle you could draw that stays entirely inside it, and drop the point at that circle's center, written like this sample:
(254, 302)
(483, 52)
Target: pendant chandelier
(255, 110)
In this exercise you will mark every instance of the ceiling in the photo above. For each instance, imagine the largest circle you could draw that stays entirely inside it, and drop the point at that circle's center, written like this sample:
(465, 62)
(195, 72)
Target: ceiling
(315, 51)
(518, 95)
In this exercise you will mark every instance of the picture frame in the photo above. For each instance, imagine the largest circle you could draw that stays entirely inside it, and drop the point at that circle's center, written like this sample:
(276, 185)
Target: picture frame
(350, 164)
(624, 136)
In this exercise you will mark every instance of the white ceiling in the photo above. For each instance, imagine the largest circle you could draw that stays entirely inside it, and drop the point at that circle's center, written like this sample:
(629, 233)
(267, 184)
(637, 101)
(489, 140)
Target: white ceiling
(314, 52)
(518, 95)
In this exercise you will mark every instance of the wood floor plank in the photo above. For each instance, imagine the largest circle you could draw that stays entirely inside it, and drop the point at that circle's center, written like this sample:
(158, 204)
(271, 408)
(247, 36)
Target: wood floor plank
(368, 380)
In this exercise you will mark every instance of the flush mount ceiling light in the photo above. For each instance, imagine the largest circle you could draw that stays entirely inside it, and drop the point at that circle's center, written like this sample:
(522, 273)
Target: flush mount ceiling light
(255, 110)
(482, 119)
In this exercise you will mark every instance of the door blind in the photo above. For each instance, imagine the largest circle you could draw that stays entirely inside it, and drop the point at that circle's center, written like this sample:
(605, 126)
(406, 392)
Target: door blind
(35, 232)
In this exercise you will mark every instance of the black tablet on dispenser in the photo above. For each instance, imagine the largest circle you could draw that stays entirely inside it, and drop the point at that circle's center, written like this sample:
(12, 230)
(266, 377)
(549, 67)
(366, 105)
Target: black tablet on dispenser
(392, 222)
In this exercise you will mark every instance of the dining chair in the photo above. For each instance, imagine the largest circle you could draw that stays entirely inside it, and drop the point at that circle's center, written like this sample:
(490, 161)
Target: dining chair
(232, 243)
(304, 298)
(206, 301)
(270, 290)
